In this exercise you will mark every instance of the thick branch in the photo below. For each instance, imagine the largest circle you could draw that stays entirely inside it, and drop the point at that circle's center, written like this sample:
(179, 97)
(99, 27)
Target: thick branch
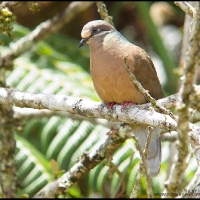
(86, 108)
(30, 113)
(143, 114)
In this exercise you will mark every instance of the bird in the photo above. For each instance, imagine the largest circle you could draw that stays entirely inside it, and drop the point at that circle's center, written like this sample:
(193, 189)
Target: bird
(108, 49)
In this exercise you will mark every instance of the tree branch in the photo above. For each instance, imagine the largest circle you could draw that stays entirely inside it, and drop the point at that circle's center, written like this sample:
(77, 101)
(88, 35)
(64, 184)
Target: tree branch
(142, 165)
(103, 12)
(183, 105)
(195, 98)
(192, 184)
(87, 162)
(143, 114)
(186, 7)
(30, 113)
(40, 32)
(146, 94)
(86, 108)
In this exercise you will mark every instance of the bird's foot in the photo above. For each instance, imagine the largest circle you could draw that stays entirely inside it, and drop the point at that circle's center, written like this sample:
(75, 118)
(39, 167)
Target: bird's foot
(124, 105)
(110, 105)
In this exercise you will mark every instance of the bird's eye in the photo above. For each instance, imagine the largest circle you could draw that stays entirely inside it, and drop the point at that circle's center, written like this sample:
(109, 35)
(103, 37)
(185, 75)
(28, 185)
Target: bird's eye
(95, 30)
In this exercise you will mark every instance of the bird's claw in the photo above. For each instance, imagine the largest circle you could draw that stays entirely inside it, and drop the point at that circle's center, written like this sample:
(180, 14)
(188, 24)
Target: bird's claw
(110, 105)
(124, 105)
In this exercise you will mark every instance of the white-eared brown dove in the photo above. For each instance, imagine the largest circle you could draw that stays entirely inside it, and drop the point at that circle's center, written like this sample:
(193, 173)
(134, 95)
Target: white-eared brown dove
(108, 48)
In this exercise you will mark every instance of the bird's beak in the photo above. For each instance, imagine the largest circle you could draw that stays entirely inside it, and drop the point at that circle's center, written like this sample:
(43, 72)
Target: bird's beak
(82, 42)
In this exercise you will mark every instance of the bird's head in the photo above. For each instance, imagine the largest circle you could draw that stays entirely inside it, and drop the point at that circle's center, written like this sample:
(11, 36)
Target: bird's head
(95, 28)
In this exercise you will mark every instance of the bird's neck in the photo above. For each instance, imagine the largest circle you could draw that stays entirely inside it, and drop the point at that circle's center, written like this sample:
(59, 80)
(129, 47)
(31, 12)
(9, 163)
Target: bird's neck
(114, 38)
(107, 44)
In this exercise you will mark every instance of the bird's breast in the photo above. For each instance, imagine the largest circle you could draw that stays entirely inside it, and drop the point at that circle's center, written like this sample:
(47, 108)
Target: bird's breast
(110, 78)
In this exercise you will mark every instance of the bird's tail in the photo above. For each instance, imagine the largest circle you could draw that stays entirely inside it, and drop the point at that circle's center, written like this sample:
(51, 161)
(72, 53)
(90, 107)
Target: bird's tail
(153, 158)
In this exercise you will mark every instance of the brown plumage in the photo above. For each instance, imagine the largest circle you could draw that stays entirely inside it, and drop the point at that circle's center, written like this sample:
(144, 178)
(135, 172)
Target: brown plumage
(108, 48)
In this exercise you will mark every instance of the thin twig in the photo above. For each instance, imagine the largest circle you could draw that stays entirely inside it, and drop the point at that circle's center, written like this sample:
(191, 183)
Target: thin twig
(186, 7)
(122, 180)
(138, 182)
(146, 149)
(104, 12)
(195, 97)
(146, 152)
(146, 94)
(143, 165)
(40, 32)
(192, 184)
(185, 43)
(87, 162)
(170, 136)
